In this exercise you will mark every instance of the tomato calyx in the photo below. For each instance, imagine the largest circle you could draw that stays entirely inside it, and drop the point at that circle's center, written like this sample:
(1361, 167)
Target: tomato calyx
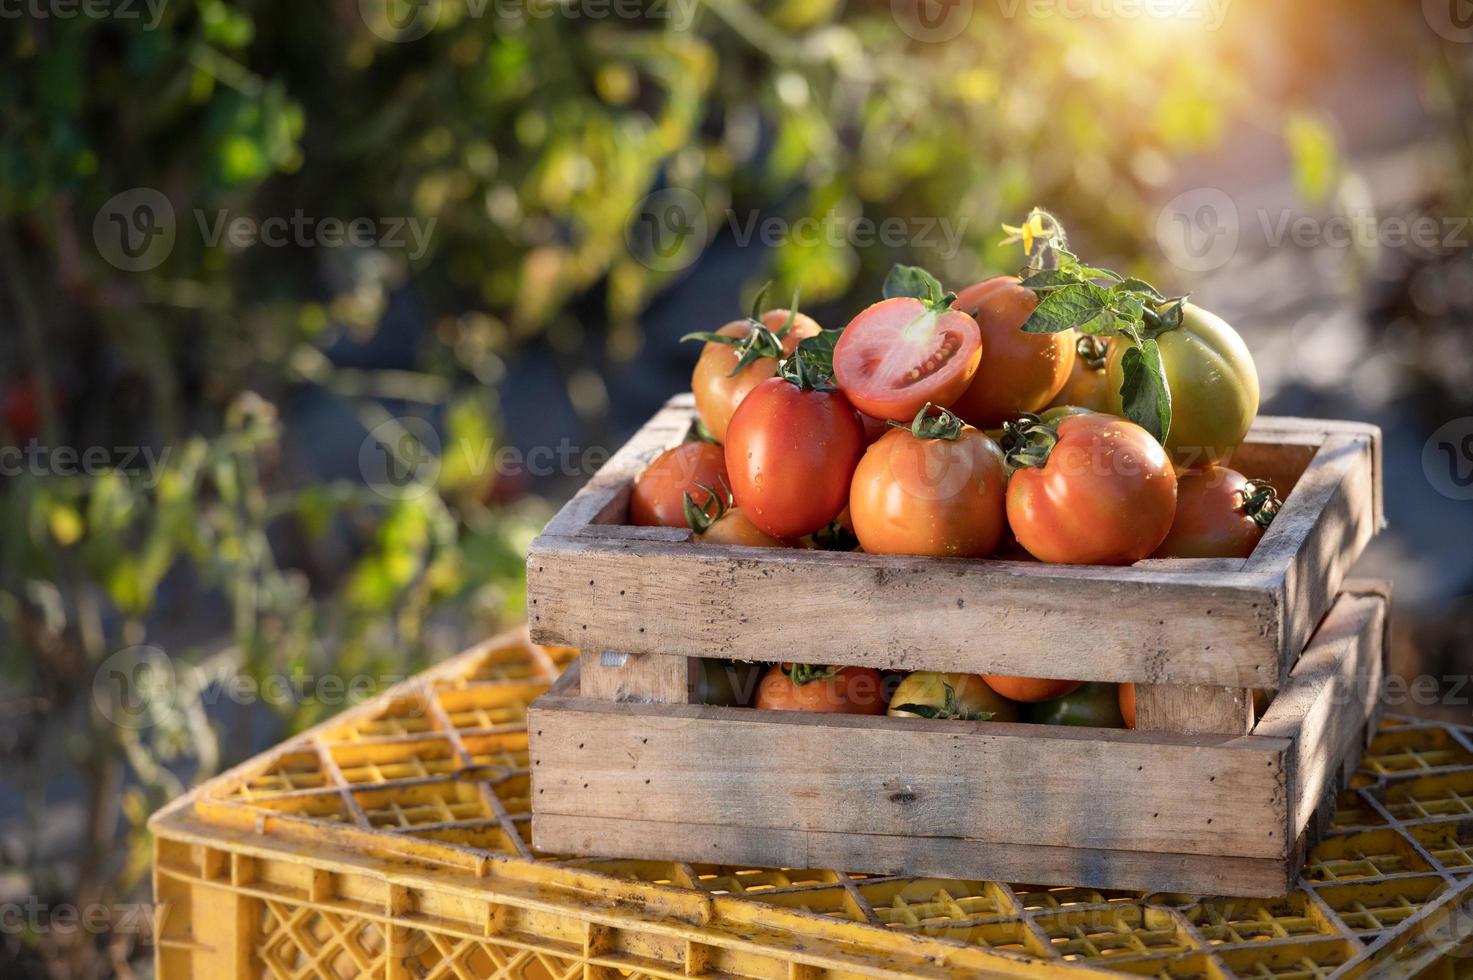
(759, 341)
(811, 365)
(1029, 441)
(916, 283)
(1093, 351)
(945, 424)
(949, 710)
(1260, 502)
(701, 516)
(803, 674)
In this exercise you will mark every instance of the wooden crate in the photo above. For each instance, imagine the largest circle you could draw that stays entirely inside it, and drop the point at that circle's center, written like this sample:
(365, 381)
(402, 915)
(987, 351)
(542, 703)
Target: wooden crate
(1195, 636)
(1200, 814)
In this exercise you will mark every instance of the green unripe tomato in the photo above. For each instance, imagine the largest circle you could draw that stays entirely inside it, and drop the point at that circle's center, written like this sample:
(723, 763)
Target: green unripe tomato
(1214, 387)
(1091, 706)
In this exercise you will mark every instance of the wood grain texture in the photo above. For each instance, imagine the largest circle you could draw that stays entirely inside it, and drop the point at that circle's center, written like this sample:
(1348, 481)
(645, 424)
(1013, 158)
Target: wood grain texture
(600, 586)
(643, 677)
(1018, 784)
(1105, 808)
(676, 839)
(1194, 708)
(903, 613)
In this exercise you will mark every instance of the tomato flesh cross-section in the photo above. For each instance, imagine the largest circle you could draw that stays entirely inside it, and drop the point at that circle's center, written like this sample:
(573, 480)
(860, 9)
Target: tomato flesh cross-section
(900, 353)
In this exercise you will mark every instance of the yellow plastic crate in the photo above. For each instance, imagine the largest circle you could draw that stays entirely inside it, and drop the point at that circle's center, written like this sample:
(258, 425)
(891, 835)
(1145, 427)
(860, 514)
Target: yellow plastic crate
(392, 842)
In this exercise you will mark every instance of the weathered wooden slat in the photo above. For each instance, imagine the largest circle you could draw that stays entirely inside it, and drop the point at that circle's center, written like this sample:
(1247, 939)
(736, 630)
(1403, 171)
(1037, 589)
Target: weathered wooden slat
(942, 857)
(1104, 808)
(1194, 708)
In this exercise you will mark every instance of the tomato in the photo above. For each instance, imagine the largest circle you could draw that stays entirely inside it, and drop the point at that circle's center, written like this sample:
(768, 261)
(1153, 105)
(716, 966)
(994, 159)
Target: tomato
(938, 489)
(1020, 372)
(901, 353)
(1089, 383)
(1029, 689)
(658, 497)
(718, 392)
(730, 683)
(950, 696)
(790, 452)
(1089, 706)
(1214, 387)
(734, 527)
(1220, 513)
(1127, 704)
(831, 690)
(1104, 494)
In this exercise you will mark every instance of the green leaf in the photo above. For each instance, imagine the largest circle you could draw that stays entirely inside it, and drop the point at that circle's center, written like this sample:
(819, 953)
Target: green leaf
(915, 282)
(1133, 285)
(1052, 279)
(1084, 307)
(1145, 393)
(1312, 147)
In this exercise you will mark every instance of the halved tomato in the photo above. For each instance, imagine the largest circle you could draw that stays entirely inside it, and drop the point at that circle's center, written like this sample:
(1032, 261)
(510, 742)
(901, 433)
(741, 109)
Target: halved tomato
(901, 353)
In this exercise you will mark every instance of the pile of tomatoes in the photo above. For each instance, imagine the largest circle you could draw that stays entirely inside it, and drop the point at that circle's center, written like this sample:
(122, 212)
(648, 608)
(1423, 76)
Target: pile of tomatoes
(973, 425)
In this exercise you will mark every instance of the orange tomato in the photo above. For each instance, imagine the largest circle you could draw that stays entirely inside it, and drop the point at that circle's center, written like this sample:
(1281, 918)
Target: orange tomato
(1019, 372)
(1127, 704)
(1030, 690)
(717, 391)
(1104, 493)
(658, 496)
(844, 691)
(941, 497)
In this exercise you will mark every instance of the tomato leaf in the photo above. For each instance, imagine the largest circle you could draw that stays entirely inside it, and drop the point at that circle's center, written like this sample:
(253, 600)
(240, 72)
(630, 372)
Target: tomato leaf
(1082, 306)
(1134, 285)
(1145, 393)
(915, 282)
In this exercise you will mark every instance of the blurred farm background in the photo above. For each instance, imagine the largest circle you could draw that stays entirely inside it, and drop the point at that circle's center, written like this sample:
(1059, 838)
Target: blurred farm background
(311, 313)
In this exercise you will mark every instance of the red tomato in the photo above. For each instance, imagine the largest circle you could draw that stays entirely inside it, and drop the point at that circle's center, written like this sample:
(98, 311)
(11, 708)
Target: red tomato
(938, 496)
(718, 392)
(1104, 494)
(901, 353)
(1020, 372)
(1030, 690)
(658, 498)
(790, 453)
(1219, 514)
(842, 691)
